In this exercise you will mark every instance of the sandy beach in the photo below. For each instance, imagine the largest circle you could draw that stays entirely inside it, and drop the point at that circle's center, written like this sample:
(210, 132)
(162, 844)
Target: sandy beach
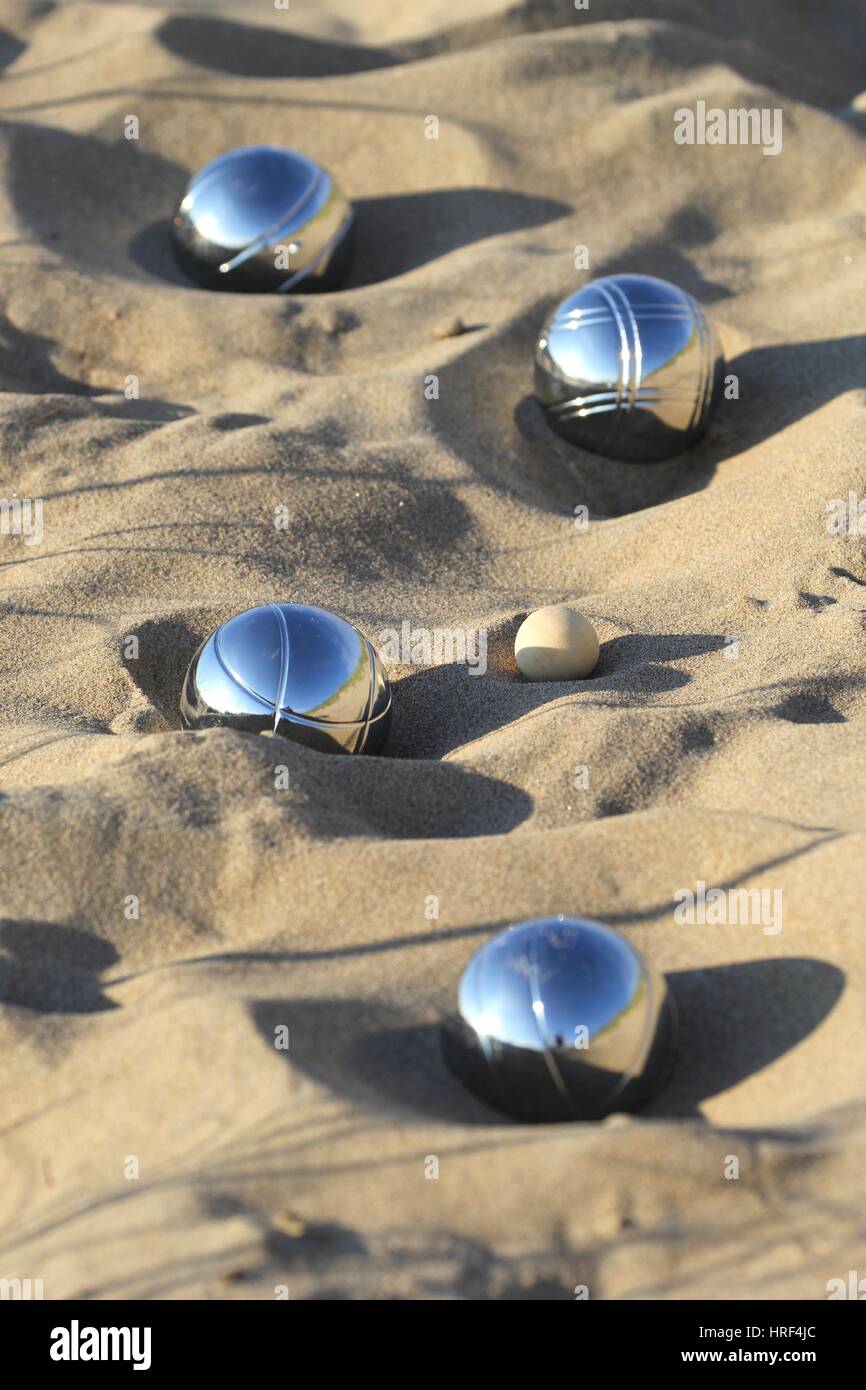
(167, 909)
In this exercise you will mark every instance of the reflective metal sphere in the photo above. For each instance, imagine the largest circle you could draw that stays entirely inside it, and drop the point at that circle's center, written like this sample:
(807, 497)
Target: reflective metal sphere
(629, 367)
(561, 1019)
(263, 218)
(288, 669)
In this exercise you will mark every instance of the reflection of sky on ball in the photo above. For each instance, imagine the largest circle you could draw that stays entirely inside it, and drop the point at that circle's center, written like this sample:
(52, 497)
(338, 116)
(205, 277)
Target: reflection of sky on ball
(233, 216)
(237, 197)
(532, 988)
(326, 659)
(254, 193)
(586, 348)
(299, 659)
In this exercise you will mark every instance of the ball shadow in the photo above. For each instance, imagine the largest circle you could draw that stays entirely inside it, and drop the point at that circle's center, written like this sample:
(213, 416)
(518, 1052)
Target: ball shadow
(778, 387)
(88, 199)
(11, 48)
(53, 969)
(166, 646)
(371, 1053)
(439, 708)
(392, 234)
(735, 1020)
(150, 249)
(251, 50)
(402, 232)
(609, 487)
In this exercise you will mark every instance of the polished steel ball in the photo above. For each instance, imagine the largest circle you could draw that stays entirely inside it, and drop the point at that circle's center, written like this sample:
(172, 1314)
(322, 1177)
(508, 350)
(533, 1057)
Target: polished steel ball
(263, 218)
(629, 367)
(560, 1019)
(291, 670)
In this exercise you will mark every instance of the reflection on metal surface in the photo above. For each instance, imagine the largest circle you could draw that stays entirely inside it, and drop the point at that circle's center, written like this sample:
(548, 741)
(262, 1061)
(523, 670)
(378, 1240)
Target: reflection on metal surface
(293, 670)
(560, 1019)
(629, 367)
(263, 218)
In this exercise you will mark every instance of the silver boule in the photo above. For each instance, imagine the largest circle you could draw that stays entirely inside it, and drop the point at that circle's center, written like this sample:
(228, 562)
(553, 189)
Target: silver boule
(293, 670)
(629, 367)
(561, 1019)
(263, 218)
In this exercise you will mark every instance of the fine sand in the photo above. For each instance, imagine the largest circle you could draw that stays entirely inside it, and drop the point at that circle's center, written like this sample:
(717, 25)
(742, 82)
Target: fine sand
(165, 907)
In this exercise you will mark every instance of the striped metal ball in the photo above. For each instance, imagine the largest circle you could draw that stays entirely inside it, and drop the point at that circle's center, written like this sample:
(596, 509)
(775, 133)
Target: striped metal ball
(301, 672)
(263, 218)
(629, 367)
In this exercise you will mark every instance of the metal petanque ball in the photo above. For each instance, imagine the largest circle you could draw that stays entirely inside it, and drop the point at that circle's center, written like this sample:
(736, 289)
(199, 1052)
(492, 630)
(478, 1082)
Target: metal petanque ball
(561, 1019)
(629, 367)
(292, 670)
(263, 218)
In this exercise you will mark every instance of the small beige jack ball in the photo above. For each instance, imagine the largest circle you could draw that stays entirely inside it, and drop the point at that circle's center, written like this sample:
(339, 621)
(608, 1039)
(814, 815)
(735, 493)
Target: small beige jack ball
(556, 644)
